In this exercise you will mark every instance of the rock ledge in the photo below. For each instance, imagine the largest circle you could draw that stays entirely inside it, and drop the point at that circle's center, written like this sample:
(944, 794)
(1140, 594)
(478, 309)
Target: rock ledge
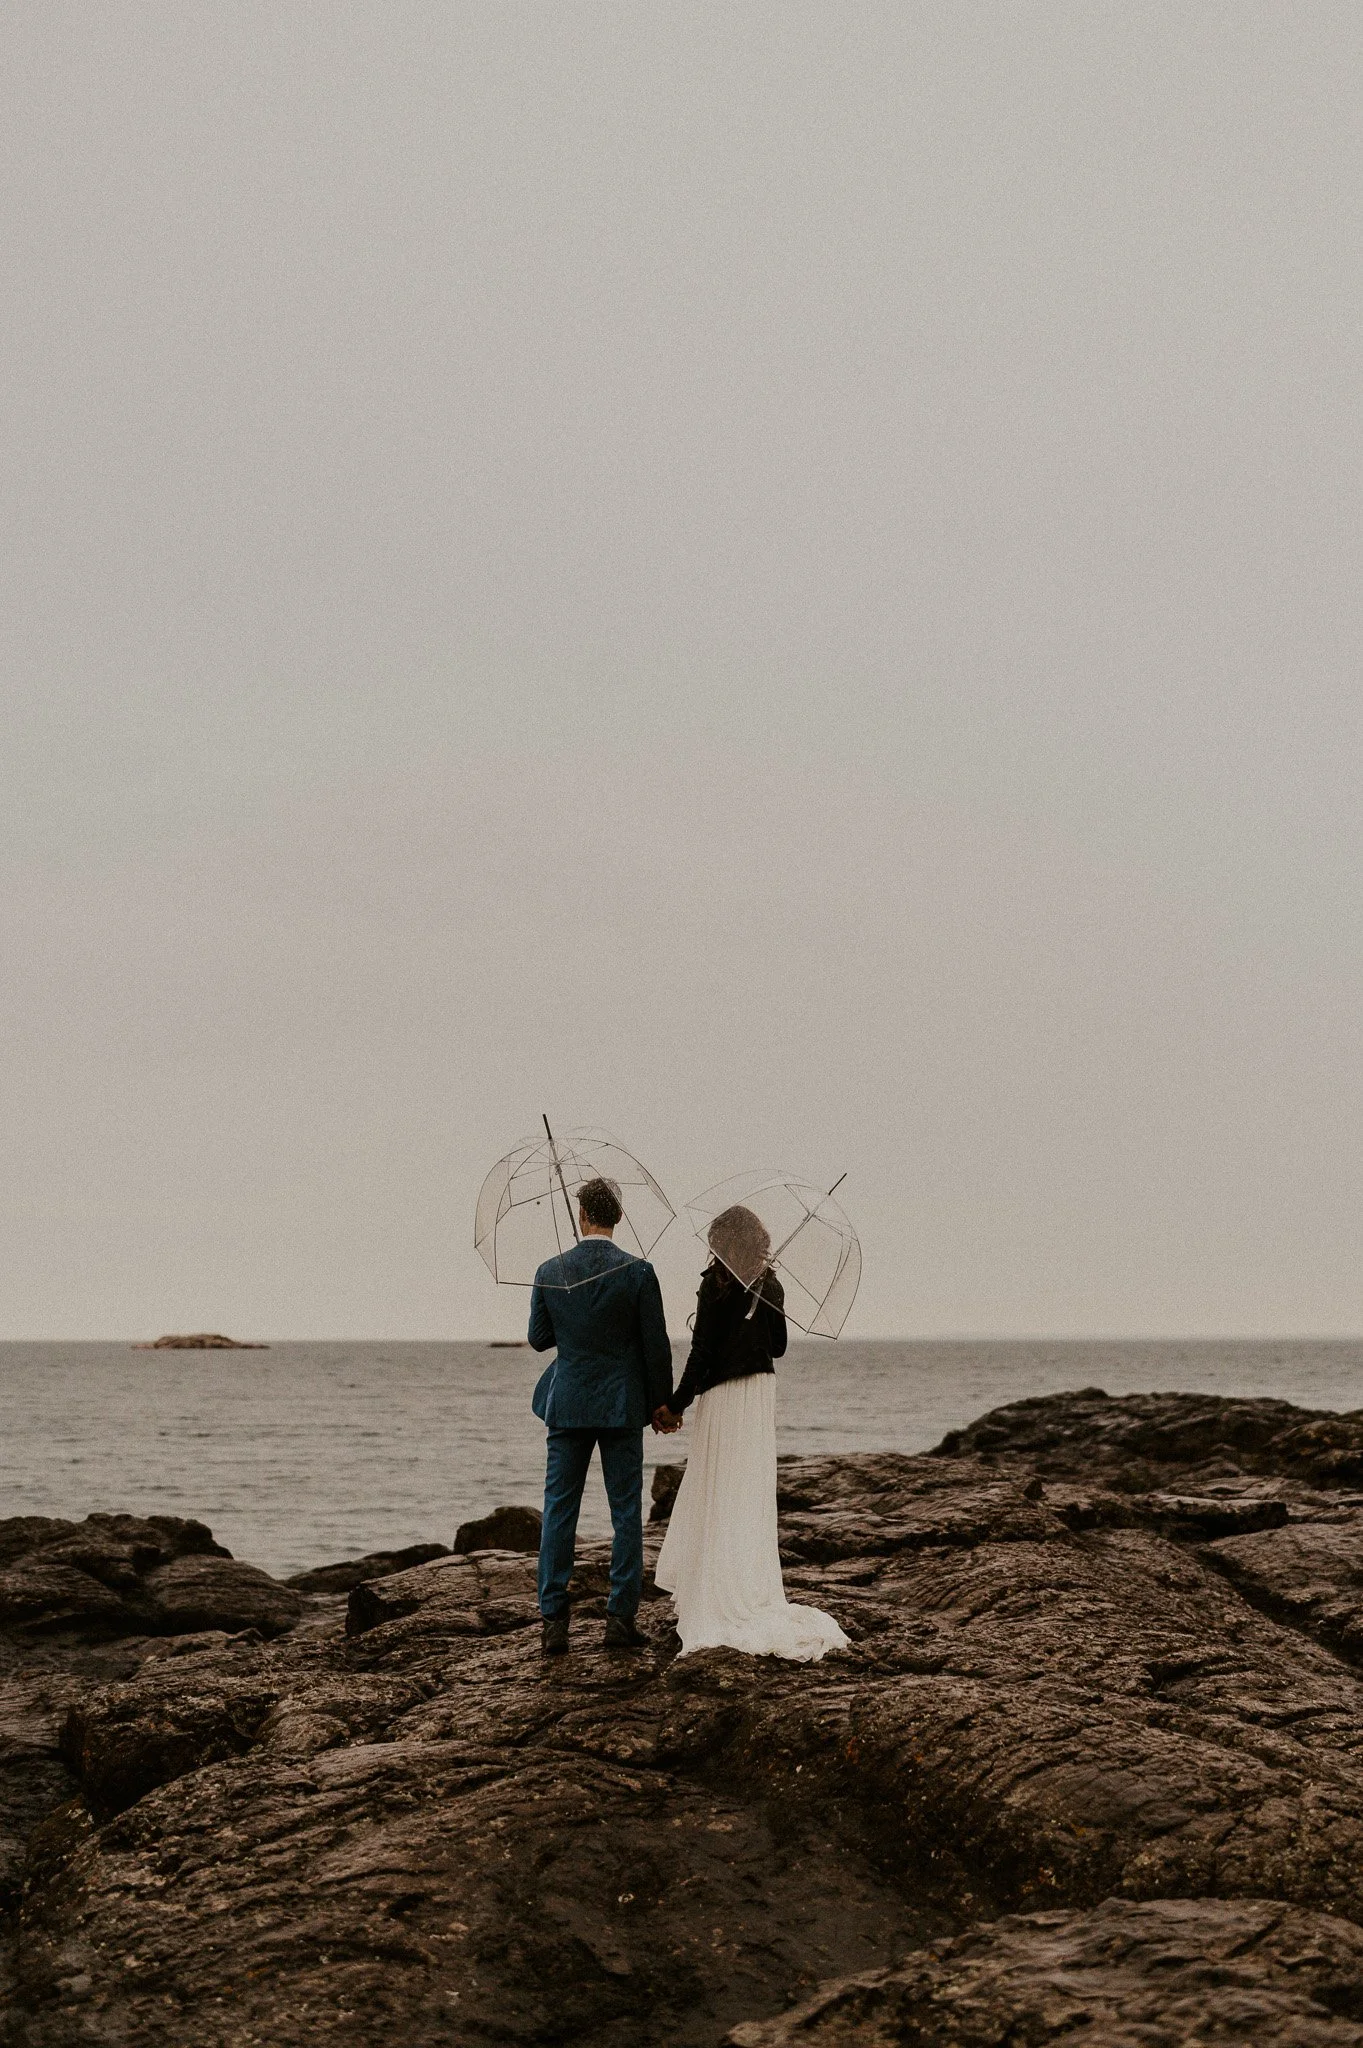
(1091, 1769)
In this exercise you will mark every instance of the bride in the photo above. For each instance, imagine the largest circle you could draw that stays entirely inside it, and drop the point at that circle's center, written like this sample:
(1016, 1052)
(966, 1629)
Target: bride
(719, 1558)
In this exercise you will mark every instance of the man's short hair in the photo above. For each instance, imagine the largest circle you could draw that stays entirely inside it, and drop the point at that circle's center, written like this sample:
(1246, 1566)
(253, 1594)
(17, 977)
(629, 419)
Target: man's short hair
(599, 1201)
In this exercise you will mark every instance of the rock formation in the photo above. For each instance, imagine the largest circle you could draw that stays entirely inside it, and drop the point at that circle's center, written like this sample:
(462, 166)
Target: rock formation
(201, 1340)
(377, 1564)
(1091, 1771)
(504, 1529)
(1173, 1973)
(120, 1575)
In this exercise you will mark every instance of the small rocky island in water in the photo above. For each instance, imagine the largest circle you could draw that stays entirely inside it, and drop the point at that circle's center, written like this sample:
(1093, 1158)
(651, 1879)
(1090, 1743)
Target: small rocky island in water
(201, 1340)
(1091, 1771)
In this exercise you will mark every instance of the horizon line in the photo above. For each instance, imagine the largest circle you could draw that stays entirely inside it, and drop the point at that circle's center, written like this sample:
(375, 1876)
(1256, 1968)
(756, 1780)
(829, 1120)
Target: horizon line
(797, 1337)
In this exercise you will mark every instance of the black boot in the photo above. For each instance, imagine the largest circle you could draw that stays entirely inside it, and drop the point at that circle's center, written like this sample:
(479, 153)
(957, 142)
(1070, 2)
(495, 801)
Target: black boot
(554, 1635)
(621, 1634)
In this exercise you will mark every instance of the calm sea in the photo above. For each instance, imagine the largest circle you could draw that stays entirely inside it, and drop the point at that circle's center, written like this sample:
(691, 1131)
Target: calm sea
(307, 1453)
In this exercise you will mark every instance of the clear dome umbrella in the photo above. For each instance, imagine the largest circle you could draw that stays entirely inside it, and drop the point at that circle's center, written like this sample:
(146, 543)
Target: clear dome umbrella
(809, 1242)
(527, 1205)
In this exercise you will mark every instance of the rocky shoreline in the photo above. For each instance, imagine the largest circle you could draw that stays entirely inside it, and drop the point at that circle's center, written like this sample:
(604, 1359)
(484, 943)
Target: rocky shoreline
(1092, 1769)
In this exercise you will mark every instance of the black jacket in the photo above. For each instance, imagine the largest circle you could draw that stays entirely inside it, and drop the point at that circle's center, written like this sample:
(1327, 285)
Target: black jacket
(727, 1343)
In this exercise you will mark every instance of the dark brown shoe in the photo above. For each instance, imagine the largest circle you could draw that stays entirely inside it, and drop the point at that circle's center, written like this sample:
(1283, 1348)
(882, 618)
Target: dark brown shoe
(621, 1634)
(554, 1635)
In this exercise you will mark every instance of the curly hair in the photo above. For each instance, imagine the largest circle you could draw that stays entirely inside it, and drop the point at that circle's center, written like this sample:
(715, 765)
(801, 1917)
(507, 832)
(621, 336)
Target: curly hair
(599, 1201)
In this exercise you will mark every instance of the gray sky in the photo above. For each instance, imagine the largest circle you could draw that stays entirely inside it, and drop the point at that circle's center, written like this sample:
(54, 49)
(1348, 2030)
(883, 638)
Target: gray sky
(785, 578)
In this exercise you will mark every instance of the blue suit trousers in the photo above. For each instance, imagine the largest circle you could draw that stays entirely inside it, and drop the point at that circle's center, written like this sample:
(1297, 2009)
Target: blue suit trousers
(622, 1468)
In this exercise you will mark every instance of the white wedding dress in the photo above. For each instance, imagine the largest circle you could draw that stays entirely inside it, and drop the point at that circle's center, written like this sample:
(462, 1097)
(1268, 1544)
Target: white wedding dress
(719, 1559)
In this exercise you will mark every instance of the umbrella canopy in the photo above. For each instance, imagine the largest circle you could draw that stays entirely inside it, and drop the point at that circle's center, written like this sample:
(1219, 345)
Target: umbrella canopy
(527, 1205)
(777, 1220)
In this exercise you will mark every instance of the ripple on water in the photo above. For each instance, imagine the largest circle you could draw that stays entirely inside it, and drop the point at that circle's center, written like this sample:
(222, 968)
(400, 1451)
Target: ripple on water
(311, 1452)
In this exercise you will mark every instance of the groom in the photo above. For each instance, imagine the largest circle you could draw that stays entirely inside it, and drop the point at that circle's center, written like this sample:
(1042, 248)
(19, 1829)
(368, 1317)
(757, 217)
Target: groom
(603, 1309)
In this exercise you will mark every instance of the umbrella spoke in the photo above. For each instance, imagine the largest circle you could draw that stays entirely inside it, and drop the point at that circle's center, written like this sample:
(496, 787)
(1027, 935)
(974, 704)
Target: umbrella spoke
(518, 1226)
(816, 1248)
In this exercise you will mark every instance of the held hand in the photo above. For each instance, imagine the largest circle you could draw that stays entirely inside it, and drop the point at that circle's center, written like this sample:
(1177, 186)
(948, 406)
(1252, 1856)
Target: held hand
(664, 1421)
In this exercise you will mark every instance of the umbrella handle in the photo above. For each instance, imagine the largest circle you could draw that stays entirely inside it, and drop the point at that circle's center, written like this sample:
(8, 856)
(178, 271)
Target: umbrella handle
(553, 1154)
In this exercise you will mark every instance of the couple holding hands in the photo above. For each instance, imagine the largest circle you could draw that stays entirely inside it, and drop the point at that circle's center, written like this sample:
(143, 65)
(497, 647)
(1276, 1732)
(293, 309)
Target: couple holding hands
(601, 1310)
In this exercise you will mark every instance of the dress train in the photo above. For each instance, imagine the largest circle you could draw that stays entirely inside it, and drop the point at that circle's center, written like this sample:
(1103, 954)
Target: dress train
(720, 1559)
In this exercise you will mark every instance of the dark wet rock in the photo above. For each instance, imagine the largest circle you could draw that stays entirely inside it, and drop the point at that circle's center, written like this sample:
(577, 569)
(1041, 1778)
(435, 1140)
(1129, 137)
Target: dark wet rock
(667, 1481)
(1071, 1696)
(892, 1503)
(1187, 1517)
(480, 1594)
(39, 1683)
(97, 1576)
(125, 1739)
(39, 1593)
(177, 1715)
(1089, 1433)
(377, 1564)
(33, 1779)
(22, 1534)
(192, 1593)
(1162, 1975)
(503, 1529)
(501, 1841)
(194, 1645)
(1310, 1574)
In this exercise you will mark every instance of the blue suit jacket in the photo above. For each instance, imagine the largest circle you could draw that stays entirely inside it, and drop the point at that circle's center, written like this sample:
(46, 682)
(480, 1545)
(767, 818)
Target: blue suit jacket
(614, 1363)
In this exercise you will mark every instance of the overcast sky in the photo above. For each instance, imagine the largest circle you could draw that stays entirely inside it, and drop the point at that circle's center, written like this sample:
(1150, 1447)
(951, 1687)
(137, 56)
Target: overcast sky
(783, 578)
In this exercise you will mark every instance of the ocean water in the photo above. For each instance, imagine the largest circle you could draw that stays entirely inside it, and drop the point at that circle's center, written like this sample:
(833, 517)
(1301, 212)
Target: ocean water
(307, 1453)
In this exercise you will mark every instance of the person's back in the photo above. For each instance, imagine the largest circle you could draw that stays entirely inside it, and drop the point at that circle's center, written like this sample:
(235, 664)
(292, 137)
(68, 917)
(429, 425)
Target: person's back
(721, 1555)
(734, 1335)
(602, 1311)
